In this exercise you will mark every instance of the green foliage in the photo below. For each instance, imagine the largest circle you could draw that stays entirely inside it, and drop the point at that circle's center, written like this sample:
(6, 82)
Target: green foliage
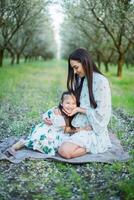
(63, 190)
(127, 189)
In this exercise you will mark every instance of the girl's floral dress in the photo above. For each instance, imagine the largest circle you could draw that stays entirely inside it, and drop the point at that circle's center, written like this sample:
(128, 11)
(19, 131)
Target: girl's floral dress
(97, 140)
(47, 138)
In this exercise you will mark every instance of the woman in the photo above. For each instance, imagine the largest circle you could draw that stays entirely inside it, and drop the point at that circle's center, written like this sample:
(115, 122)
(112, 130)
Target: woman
(93, 94)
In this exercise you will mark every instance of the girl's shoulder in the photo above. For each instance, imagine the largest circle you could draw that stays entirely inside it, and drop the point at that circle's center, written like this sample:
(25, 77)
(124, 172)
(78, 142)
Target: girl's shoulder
(57, 111)
(52, 110)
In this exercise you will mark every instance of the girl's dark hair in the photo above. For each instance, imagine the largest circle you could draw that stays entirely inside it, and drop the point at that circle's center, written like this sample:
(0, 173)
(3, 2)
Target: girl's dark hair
(68, 119)
(74, 82)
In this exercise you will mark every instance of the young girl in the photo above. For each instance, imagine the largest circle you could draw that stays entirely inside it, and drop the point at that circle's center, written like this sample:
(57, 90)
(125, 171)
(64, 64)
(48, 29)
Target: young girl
(47, 138)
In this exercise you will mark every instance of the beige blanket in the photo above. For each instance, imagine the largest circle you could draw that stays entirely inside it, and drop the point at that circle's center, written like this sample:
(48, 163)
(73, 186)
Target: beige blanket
(116, 153)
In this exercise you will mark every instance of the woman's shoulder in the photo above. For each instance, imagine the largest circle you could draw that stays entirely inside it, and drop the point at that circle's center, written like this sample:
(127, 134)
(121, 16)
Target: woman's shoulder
(99, 78)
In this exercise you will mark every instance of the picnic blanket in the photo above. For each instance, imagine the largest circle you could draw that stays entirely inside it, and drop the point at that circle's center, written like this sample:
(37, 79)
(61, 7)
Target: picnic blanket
(115, 153)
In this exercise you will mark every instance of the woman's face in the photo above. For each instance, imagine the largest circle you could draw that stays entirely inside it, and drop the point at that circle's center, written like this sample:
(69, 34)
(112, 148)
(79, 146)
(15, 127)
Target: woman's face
(69, 103)
(77, 67)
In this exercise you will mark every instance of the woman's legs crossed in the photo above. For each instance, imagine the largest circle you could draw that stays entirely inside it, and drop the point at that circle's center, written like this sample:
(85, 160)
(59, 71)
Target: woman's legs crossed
(70, 150)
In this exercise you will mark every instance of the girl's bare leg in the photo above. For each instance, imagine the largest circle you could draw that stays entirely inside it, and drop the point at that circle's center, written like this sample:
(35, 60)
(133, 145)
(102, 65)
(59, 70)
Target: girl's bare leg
(18, 145)
(70, 150)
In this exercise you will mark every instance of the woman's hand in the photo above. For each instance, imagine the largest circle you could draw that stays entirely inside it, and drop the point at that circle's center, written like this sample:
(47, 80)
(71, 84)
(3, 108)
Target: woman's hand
(86, 128)
(77, 110)
(48, 121)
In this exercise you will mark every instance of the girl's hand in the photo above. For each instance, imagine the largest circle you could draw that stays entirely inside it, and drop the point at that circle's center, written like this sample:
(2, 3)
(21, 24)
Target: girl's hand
(48, 121)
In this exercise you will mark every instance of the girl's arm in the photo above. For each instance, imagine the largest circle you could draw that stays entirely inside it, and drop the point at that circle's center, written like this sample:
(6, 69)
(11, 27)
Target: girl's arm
(47, 121)
(49, 116)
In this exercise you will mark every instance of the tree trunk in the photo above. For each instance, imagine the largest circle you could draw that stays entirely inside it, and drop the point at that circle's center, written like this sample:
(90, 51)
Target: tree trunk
(106, 67)
(120, 64)
(1, 57)
(26, 57)
(18, 58)
(12, 59)
(98, 61)
(127, 65)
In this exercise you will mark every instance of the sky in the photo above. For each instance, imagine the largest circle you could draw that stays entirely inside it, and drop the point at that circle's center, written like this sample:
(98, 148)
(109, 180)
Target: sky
(57, 17)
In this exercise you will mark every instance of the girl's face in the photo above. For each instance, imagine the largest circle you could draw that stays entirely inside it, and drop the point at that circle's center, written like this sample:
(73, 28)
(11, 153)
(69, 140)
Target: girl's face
(77, 67)
(69, 103)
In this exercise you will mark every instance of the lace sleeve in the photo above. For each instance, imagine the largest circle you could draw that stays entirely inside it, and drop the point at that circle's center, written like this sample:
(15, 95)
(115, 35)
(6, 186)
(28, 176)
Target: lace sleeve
(99, 117)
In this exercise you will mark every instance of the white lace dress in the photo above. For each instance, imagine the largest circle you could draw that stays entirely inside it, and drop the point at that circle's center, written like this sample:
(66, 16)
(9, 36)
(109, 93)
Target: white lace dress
(97, 140)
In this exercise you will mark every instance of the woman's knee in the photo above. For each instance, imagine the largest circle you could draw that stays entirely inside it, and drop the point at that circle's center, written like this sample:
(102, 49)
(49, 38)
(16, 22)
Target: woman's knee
(71, 151)
(67, 150)
(64, 152)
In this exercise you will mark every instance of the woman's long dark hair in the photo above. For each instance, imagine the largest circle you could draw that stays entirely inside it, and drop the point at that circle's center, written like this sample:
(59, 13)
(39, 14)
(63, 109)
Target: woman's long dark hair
(74, 82)
(67, 118)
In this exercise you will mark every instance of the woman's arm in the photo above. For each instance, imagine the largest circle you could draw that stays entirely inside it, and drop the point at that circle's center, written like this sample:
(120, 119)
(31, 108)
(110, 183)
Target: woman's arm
(99, 117)
(77, 110)
(68, 129)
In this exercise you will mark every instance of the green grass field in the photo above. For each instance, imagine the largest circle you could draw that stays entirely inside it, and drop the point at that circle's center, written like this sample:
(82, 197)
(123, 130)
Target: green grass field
(122, 89)
(29, 89)
(52, 74)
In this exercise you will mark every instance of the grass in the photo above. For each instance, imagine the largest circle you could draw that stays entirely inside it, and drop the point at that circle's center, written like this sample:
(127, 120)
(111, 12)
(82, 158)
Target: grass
(30, 89)
(122, 89)
(26, 91)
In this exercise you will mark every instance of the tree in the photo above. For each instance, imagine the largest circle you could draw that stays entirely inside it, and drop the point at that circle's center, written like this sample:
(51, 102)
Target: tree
(42, 43)
(13, 15)
(114, 17)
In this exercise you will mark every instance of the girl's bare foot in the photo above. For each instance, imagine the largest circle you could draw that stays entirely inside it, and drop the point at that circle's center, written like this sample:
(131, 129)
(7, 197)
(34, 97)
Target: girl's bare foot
(18, 145)
(12, 151)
